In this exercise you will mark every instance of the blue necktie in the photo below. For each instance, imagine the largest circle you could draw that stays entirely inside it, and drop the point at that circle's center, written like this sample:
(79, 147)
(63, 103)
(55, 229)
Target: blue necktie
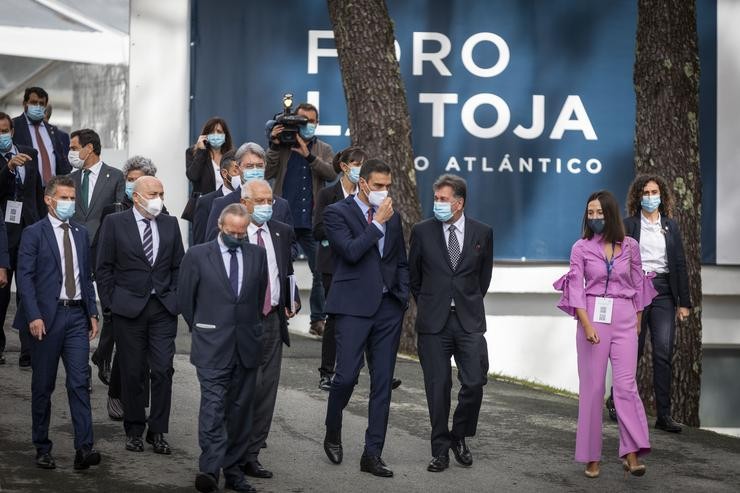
(148, 242)
(234, 271)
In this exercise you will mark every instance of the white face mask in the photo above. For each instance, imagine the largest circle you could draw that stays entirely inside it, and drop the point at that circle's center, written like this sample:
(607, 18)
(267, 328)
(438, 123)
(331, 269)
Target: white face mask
(74, 159)
(153, 206)
(376, 198)
(236, 182)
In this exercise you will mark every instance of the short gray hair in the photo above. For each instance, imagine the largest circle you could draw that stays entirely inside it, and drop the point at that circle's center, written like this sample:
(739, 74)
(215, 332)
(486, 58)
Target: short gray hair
(139, 163)
(233, 210)
(458, 184)
(249, 148)
(247, 187)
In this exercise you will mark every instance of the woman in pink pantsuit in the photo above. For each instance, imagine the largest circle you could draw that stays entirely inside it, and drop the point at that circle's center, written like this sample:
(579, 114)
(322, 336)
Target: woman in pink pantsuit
(606, 291)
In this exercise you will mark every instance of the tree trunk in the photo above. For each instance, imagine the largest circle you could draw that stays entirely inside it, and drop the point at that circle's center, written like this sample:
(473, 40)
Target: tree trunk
(376, 104)
(667, 142)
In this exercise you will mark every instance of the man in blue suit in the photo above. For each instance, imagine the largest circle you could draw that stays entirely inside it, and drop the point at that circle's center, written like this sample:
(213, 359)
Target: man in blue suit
(221, 293)
(368, 296)
(58, 305)
(251, 160)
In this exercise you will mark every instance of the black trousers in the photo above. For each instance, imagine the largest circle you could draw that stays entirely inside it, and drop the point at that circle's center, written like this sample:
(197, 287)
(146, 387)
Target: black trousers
(659, 319)
(104, 351)
(328, 341)
(471, 356)
(148, 338)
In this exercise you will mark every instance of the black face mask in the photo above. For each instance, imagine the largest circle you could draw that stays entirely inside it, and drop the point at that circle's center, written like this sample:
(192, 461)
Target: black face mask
(596, 225)
(232, 241)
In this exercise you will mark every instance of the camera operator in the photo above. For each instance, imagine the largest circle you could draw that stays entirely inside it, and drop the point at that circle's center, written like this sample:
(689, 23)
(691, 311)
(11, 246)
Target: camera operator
(300, 172)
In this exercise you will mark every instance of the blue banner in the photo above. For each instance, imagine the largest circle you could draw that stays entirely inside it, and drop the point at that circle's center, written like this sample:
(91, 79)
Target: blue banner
(532, 102)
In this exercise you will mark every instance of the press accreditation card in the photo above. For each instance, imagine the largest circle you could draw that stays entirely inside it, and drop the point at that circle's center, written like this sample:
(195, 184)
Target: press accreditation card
(13, 212)
(603, 310)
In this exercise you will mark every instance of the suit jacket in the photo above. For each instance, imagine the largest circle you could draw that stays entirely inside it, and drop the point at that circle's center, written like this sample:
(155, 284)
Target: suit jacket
(360, 272)
(30, 193)
(124, 276)
(109, 189)
(280, 211)
(22, 136)
(40, 273)
(322, 170)
(220, 322)
(283, 238)
(434, 284)
(678, 278)
(202, 211)
(324, 254)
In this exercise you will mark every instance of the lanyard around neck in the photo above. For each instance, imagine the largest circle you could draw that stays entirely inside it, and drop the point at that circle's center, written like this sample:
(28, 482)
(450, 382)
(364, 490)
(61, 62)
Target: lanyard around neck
(609, 266)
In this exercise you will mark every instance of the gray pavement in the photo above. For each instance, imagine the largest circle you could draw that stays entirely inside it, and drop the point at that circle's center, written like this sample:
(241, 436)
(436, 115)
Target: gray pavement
(525, 441)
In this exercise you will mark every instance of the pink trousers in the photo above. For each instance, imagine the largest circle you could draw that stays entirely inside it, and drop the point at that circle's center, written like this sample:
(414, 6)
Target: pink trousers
(618, 344)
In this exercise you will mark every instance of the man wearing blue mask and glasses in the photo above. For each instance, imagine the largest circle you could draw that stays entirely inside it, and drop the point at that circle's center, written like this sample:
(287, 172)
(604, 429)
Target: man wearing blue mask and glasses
(300, 173)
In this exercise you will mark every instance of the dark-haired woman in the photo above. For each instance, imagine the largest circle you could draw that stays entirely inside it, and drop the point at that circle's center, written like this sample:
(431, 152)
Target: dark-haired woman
(649, 209)
(606, 291)
(202, 161)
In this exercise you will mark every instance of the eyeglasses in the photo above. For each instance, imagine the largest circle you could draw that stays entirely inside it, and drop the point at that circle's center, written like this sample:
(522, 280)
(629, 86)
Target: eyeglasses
(253, 165)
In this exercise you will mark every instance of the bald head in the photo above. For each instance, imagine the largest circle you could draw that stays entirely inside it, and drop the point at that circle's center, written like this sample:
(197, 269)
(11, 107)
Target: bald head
(145, 183)
(147, 188)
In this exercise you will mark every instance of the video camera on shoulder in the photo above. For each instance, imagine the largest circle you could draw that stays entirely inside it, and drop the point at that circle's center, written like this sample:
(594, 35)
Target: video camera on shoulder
(290, 122)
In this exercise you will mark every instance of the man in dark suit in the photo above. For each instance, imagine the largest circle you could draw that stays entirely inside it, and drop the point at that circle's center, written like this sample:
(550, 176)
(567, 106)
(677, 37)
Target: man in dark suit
(98, 185)
(58, 304)
(21, 196)
(231, 175)
(368, 296)
(276, 238)
(32, 131)
(138, 261)
(251, 160)
(450, 264)
(221, 292)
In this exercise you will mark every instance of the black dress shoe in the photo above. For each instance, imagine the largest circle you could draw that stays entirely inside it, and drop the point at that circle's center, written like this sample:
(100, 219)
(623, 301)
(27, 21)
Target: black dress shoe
(104, 369)
(158, 443)
(45, 461)
(134, 444)
(240, 485)
(206, 482)
(375, 466)
(666, 423)
(462, 453)
(24, 361)
(611, 409)
(333, 446)
(86, 457)
(439, 463)
(255, 469)
(395, 383)
(325, 383)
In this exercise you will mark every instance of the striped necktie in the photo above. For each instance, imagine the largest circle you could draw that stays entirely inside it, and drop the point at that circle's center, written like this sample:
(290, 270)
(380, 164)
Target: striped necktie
(148, 243)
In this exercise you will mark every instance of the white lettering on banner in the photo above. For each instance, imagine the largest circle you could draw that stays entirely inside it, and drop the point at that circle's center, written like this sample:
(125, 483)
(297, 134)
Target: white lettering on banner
(525, 165)
(419, 56)
(314, 52)
(438, 101)
(503, 54)
(573, 104)
(538, 119)
(323, 129)
(421, 163)
(467, 115)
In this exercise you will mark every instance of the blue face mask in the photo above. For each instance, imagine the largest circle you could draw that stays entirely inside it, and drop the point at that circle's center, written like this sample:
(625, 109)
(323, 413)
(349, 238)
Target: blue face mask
(650, 202)
(262, 213)
(250, 174)
(596, 225)
(35, 113)
(65, 209)
(354, 174)
(130, 190)
(307, 131)
(231, 241)
(216, 140)
(6, 142)
(443, 211)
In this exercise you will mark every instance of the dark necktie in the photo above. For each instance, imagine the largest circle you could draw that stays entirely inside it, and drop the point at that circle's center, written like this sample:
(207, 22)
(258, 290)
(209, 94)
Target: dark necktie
(45, 162)
(234, 271)
(70, 288)
(453, 247)
(370, 214)
(268, 295)
(148, 243)
(86, 188)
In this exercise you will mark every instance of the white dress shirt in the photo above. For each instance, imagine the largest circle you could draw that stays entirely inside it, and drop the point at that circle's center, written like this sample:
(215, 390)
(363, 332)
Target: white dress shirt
(347, 194)
(226, 256)
(142, 226)
(459, 231)
(364, 208)
(56, 225)
(217, 174)
(92, 178)
(46, 138)
(652, 246)
(272, 266)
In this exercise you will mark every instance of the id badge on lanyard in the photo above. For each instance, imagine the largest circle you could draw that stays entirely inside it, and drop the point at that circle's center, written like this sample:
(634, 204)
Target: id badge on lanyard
(603, 305)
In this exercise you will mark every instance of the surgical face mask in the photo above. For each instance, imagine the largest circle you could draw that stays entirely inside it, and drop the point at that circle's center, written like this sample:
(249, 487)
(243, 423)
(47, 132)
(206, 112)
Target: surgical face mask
(6, 142)
(262, 213)
(65, 209)
(596, 225)
(376, 198)
(35, 112)
(354, 174)
(130, 190)
(74, 159)
(650, 202)
(443, 211)
(231, 241)
(307, 131)
(236, 182)
(152, 206)
(250, 174)
(216, 140)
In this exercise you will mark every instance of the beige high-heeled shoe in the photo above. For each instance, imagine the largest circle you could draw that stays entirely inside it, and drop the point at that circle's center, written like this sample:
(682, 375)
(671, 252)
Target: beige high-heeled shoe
(638, 470)
(592, 474)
